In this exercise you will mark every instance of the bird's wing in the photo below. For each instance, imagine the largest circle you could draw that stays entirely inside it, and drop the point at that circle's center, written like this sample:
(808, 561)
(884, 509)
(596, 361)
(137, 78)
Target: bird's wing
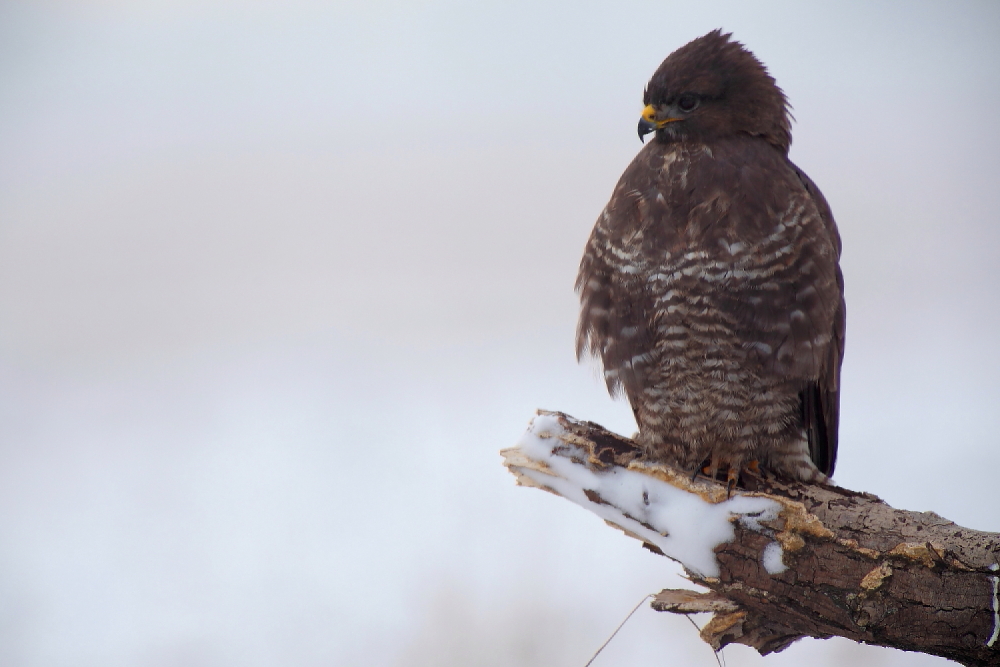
(785, 291)
(821, 399)
(615, 306)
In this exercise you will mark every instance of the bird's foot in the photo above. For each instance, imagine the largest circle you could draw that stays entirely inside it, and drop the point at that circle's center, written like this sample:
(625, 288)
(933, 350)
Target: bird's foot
(743, 474)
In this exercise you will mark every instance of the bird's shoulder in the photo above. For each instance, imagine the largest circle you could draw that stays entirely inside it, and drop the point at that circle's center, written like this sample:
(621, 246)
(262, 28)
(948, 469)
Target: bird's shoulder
(681, 193)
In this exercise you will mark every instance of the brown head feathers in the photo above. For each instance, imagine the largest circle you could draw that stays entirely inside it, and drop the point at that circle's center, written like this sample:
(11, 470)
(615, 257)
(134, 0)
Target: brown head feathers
(716, 88)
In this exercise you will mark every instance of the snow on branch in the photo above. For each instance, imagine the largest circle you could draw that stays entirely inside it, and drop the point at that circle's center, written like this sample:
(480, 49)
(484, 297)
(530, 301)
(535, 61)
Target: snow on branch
(782, 561)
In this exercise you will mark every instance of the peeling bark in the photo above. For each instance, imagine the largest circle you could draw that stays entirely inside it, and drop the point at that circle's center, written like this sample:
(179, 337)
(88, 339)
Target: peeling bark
(857, 568)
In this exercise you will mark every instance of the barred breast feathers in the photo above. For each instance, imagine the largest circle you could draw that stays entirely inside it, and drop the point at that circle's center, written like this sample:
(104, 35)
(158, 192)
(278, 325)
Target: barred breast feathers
(750, 247)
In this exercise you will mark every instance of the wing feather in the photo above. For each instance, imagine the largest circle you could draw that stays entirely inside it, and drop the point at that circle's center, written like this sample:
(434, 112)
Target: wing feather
(821, 399)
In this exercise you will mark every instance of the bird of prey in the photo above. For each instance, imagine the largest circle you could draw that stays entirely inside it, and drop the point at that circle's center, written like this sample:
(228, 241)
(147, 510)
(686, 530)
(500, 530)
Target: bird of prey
(710, 287)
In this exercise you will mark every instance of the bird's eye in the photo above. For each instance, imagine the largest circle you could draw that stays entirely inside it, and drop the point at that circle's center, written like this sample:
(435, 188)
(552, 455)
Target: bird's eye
(688, 102)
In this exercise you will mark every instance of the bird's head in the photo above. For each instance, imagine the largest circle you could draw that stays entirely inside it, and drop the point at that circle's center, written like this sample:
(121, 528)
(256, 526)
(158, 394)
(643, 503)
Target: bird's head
(713, 87)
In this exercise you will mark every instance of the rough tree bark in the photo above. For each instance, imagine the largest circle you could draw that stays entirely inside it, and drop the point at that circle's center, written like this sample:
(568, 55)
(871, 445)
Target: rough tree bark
(856, 567)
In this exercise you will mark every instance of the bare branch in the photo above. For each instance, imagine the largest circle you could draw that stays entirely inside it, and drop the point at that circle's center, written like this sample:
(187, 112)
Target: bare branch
(786, 560)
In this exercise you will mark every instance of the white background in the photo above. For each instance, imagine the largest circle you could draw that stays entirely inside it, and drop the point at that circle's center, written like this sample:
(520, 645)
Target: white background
(278, 280)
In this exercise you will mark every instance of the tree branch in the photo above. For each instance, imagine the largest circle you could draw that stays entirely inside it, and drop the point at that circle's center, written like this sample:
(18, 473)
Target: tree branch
(782, 560)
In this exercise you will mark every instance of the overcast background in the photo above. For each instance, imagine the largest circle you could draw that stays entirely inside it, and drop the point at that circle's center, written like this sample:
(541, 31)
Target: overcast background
(278, 280)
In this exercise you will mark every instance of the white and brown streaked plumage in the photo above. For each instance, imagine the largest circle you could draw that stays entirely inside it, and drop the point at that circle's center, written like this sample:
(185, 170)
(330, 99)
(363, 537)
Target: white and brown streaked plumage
(710, 286)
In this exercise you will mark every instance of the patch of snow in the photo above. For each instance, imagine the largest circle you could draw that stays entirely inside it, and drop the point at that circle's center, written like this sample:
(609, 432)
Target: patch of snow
(996, 607)
(771, 559)
(681, 524)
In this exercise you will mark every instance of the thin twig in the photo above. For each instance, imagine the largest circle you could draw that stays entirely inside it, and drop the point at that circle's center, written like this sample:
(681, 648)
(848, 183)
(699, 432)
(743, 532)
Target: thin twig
(715, 653)
(608, 641)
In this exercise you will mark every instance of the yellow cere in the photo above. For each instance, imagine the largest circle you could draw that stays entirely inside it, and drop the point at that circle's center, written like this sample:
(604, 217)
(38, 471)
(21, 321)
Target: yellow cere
(649, 114)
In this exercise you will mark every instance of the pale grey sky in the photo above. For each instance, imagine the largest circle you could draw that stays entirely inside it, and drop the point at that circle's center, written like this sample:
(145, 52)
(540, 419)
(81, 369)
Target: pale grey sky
(277, 280)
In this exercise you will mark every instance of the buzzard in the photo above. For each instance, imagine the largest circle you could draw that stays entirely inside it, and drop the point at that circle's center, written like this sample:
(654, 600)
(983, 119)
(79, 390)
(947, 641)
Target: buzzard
(710, 286)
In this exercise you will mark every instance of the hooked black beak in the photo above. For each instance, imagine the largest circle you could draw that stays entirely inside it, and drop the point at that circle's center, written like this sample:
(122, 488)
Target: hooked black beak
(648, 122)
(645, 127)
